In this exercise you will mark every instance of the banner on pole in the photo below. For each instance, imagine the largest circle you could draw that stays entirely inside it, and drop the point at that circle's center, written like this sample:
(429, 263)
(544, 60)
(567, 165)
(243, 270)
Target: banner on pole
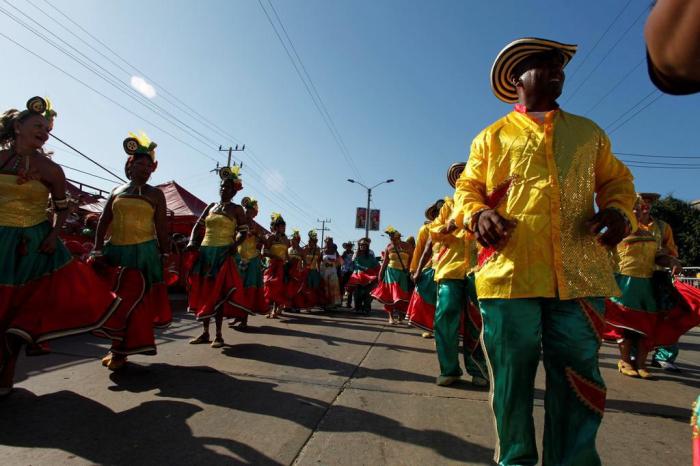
(374, 220)
(361, 218)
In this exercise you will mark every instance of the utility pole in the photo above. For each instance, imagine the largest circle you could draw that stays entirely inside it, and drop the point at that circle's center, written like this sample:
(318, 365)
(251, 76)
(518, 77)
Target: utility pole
(230, 150)
(323, 228)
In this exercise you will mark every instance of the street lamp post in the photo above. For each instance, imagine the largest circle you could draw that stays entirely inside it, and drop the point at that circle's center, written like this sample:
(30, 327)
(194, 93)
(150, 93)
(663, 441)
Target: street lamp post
(369, 199)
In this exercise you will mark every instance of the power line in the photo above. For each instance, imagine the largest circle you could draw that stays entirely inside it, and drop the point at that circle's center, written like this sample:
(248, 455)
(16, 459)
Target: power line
(581, 63)
(630, 110)
(2, 34)
(631, 154)
(204, 121)
(665, 164)
(87, 157)
(590, 73)
(313, 87)
(612, 89)
(115, 81)
(316, 103)
(86, 173)
(662, 167)
(636, 113)
(296, 207)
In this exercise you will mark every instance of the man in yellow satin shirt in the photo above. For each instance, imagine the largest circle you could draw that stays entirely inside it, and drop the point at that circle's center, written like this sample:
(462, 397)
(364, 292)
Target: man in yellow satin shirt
(528, 195)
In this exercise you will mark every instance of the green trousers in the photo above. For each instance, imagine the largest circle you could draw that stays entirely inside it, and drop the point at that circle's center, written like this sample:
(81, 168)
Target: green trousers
(568, 334)
(666, 353)
(452, 299)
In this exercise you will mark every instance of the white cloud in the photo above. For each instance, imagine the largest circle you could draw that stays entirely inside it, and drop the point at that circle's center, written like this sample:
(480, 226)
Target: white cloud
(141, 85)
(274, 181)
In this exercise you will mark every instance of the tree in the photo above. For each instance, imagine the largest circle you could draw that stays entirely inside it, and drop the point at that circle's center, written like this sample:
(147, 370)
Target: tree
(685, 222)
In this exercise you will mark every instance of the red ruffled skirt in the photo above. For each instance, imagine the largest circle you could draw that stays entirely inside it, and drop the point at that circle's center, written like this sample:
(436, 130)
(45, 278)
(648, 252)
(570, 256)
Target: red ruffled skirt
(275, 284)
(68, 301)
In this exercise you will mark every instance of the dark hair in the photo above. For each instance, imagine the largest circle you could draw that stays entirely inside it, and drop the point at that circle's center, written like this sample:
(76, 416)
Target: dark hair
(7, 124)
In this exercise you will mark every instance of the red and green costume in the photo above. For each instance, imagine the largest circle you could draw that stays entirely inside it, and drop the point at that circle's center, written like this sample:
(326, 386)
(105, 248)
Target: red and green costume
(275, 276)
(252, 296)
(215, 283)
(136, 274)
(311, 293)
(393, 289)
(363, 278)
(42, 296)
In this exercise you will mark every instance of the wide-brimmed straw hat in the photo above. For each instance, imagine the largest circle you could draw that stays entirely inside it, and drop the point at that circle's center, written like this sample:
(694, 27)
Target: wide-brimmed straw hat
(454, 172)
(433, 211)
(514, 53)
(651, 197)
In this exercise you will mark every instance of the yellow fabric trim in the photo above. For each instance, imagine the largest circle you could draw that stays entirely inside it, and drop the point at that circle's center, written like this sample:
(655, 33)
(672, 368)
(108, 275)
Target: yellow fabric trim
(132, 222)
(22, 205)
(220, 230)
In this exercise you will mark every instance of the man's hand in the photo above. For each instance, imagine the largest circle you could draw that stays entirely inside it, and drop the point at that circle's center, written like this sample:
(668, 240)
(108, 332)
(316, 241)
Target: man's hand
(449, 228)
(613, 222)
(493, 230)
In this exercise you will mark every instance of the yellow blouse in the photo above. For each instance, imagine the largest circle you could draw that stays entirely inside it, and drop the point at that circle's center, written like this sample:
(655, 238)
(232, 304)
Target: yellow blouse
(553, 173)
(421, 241)
(22, 205)
(219, 230)
(394, 261)
(248, 249)
(636, 256)
(456, 254)
(279, 250)
(312, 258)
(294, 253)
(132, 222)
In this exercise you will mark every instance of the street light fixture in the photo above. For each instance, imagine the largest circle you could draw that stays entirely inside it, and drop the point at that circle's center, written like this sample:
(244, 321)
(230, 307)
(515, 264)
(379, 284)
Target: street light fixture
(369, 198)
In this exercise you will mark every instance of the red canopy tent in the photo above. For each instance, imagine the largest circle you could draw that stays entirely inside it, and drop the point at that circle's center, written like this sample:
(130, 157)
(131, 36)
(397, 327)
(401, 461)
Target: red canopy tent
(184, 208)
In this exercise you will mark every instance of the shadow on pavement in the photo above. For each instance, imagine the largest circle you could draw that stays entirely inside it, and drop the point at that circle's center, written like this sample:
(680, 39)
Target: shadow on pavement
(302, 360)
(330, 339)
(141, 435)
(212, 387)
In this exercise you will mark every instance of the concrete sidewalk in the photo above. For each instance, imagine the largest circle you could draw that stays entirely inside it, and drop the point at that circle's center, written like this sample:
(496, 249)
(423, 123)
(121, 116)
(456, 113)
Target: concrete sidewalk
(315, 388)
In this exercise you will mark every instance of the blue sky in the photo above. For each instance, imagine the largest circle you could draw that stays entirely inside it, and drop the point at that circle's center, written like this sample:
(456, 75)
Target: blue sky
(405, 82)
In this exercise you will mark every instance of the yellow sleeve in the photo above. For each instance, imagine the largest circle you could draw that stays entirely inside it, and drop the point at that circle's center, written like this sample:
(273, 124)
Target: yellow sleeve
(667, 242)
(441, 220)
(421, 240)
(470, 190)
(614, 183)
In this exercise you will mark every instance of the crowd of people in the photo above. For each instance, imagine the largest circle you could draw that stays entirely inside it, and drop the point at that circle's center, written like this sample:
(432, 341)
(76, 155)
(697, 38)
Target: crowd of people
(544, 248)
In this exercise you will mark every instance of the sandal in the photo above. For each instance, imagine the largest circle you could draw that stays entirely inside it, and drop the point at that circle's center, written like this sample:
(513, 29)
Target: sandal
(117, 362)
(217, 343)
(626, 368)
(106, 360)
(203, 338)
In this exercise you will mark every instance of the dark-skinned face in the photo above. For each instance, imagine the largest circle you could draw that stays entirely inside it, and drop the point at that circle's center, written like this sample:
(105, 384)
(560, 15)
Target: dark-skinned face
(540, 76)
(281, 228)
(33, 132)
(140, 169)
(251, 213)
(227, 190)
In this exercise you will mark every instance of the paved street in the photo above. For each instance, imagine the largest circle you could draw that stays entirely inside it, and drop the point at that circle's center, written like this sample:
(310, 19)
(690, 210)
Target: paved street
(319, 388)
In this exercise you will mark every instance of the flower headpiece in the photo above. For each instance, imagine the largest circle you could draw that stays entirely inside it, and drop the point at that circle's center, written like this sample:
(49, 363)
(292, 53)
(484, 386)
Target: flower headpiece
(140, 145)
(313, 235)
(276, 219)
(296, 234)
(249, 203)
(391, 231)
(231, 173)
(41, 106)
